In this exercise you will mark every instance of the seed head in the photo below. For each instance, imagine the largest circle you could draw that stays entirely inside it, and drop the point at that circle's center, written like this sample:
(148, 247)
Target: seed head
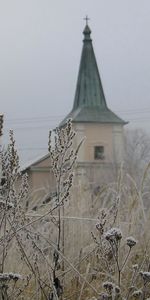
(114, 234)
(131, 242)
(108, 286)
(145, 276)
(135, 267)
(103, 296)
(137, 294)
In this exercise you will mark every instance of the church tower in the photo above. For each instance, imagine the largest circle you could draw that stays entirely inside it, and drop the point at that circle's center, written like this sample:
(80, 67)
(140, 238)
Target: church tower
(91, 117)
(102, 130)
(101, 150)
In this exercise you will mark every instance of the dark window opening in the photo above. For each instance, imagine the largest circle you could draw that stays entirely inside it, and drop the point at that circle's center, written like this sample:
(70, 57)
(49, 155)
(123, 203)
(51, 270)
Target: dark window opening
(99, 152)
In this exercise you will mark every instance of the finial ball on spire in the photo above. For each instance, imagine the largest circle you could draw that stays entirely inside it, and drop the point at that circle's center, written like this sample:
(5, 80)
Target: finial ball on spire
(87, 30)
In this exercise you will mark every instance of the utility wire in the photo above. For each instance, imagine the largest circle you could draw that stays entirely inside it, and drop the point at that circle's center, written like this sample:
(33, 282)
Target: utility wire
(59, 117)
(136, 120)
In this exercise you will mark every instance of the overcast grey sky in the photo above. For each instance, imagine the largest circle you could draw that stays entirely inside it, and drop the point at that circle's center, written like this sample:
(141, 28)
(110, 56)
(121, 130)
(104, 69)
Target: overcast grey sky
(41, 42)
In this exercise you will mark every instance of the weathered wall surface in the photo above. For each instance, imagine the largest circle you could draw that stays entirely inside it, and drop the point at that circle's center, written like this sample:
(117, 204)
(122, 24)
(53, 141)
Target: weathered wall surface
(108, 135)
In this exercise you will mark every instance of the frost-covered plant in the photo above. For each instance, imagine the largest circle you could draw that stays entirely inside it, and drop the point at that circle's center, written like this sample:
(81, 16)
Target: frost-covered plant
(62, 158)
(12, 216)
(116, 253)
(131, 242)
(28, 245)
(114, 235)
(114, 288)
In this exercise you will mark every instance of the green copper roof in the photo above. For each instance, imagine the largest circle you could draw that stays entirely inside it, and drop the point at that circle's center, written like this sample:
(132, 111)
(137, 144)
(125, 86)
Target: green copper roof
(89, 102)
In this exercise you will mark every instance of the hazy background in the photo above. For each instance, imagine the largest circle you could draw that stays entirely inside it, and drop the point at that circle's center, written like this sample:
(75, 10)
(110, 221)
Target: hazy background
(40, 48)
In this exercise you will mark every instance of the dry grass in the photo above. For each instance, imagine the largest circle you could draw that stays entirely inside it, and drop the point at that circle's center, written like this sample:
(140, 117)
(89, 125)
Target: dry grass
(33, 243)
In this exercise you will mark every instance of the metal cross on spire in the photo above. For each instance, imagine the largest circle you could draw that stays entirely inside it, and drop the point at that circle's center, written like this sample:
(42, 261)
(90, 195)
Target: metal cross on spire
(86, 19)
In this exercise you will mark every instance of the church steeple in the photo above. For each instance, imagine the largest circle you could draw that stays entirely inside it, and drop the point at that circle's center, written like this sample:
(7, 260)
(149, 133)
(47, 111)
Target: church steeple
(89, 90)
(89, 102)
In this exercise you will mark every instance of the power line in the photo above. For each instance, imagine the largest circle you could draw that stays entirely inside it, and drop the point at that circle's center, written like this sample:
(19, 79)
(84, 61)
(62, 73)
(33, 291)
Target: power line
(31, 127)
(48, 127)
(34, 119)
(59, 117)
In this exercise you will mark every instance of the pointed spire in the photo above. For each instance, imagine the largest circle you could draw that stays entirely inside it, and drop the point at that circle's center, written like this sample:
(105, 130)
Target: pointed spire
(89, 90)
(89, 102)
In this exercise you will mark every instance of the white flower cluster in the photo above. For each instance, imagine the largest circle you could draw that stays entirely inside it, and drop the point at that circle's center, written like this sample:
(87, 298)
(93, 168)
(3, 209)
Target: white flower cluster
(103, 296)
(10, 276)
(110, 286)
(131, 242)
(114, 234)
(145, 276)
(137, 294)
(3, 205)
